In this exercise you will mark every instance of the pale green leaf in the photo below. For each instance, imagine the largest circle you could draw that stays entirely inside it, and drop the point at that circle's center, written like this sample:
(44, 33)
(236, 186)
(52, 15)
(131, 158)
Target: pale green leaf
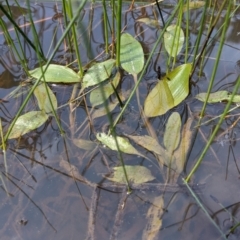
(173, 40)
(169, 92)
(193, 5)
(85, 144)
(154, 219)
(28, 122)
(131, 54)
(136, 174)
(123, 143)
(179, 82)
(150, 22)
(217, 97)
(57, 74)
(96, 96)
(98, 73)
(172, 132)
(159, 100)
(43, 100)
(183, 149)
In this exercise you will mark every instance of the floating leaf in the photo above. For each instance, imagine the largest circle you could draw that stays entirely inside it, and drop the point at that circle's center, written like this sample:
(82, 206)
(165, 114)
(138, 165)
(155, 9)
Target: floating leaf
(193, 5)
(136, 174)
(154, 217)
(173, 40)
(169, 92)
(96, 96)
(28, 122)
(131, 54)
(43, 100)
(182, 151)
(85, 144)
(57, 74)
(172, 132)
(123, 143)
(179, 82)
(150, 22)
(159, 100)
(98, 73)
(217, 97)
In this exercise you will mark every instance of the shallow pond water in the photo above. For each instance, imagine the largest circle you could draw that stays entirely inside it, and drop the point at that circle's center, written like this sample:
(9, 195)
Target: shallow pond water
(44, 201)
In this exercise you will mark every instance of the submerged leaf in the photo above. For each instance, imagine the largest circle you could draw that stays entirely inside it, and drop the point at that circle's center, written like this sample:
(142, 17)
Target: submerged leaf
(159, 100)
(85, 144)
(136, 174)
(131, 54)
(123, 143)
(182, 151)
(111, 106)
(217, 97)
(96, 96)
(98, 73)
(28, 122)
(43, 100)
(57, 74)
(102, 111)
(173, 40)
(149, 143)
(172, 132)
(154, 217)
(150, 22)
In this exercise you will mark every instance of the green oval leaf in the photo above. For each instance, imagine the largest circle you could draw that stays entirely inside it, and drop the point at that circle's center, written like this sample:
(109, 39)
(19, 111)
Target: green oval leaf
(98, 73)
(173, 40)
(123, 143)
(159, 100)
(131, 54)
(179, 82)
(57, 74)
(96, 96)
(136, 174)
(172, 132)
(43, 100)
(28, 122)
(217, 97)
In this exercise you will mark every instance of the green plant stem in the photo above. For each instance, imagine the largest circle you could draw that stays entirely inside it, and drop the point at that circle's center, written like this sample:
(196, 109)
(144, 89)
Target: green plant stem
(209, 89)
(119, 26)
(218, 54)
(187, 32)
(75, 41)
(20, 30)
(200, 32)
(105, 22)
(197, 164)
(204, 209)
(47, 64)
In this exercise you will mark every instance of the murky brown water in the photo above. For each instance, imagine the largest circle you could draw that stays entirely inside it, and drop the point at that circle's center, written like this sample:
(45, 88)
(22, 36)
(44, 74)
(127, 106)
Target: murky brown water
(43, 203)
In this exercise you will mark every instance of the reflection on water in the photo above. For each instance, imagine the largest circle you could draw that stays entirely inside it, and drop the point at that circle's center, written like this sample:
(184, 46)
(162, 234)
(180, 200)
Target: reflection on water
(45, 200)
